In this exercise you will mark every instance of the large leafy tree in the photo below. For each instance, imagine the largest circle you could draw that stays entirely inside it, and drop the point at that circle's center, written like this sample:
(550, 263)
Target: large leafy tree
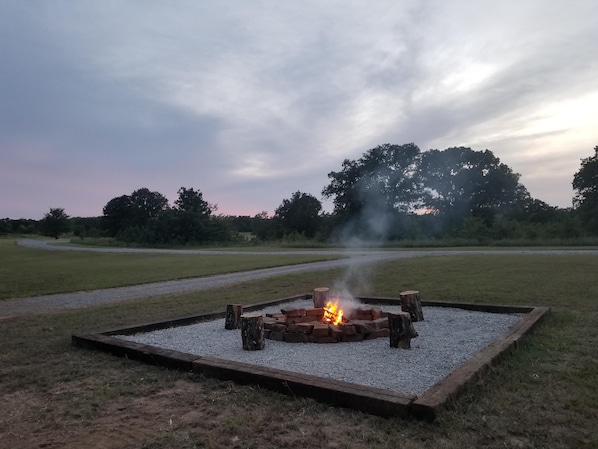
(146, 205)
(460, 182)
(145, 217)
(383, 179)
(585, 184)
(190, 220)
(117, 214)
(374, 194)
(191, 200)
(55, 223)
(300, 214)
(135, 210)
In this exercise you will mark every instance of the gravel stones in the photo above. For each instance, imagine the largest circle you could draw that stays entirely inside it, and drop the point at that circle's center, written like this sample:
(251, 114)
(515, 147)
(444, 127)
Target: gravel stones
(447, 338)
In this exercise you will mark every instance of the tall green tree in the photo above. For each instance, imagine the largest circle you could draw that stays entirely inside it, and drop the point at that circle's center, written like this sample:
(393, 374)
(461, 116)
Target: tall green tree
(300, 214)
(191, 217)
(192, 201)
(55, 223)
(137, 211)
(145, 217)
(384, 177)
(373, 195)
(585, 184)
(460, 182)
(146, 205)
(118, 214)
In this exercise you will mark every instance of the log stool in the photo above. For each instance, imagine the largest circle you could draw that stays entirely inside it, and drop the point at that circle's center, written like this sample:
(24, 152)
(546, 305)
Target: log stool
(411, 303)
(252, 331)
(233, 316)
(320, 297)
(401, 330)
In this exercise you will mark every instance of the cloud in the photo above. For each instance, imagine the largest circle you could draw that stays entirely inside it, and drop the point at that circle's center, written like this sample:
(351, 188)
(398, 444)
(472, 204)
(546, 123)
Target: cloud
(253, 101)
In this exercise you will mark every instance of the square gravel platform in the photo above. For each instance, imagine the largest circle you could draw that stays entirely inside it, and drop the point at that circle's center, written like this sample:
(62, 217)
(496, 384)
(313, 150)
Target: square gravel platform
(374, 390)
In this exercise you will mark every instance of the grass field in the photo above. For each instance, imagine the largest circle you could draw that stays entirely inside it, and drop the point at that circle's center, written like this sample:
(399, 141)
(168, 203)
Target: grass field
(31, 272)
(544, 395)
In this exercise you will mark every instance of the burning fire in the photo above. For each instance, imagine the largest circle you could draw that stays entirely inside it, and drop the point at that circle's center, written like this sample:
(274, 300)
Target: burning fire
(332, 313)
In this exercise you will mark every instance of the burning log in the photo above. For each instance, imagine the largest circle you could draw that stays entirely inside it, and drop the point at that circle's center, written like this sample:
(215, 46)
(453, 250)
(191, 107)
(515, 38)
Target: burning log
(320, 297)
(333, 314)
(233, 316)
(401, 330)
(411, 303)
(252, 331)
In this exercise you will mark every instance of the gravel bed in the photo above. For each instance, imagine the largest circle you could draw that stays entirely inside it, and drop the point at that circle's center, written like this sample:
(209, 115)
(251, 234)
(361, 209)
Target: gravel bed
(447, 338)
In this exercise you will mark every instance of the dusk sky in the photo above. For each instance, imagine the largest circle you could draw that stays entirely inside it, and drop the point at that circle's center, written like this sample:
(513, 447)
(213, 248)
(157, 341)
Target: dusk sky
(250, 101)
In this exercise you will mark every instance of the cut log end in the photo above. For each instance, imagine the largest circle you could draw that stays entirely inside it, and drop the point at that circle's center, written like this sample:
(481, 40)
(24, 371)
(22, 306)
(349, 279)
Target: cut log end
(232, 319)
(411, 303)
(401, 330)
(320, 297)
(252, 331)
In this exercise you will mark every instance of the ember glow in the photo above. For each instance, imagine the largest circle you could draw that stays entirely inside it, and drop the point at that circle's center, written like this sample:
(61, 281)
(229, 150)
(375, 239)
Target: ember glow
(332, 313)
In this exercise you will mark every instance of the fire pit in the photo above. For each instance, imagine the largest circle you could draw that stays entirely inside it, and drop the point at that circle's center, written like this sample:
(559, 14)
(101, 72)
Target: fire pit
(328, 324)
(341, 319)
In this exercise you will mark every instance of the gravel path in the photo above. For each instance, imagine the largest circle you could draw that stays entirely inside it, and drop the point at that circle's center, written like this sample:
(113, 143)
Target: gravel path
(58, 302)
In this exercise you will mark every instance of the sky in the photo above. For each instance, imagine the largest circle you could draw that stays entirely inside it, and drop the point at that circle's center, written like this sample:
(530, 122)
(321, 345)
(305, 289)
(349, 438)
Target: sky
(251, 101)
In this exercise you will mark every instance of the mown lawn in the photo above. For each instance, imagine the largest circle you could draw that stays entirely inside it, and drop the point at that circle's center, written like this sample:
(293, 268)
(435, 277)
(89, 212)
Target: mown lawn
(544, 395)
(30, 272)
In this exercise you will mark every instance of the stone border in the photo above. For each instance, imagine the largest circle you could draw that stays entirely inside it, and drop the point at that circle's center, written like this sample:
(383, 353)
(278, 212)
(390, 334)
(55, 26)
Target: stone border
(367, 399)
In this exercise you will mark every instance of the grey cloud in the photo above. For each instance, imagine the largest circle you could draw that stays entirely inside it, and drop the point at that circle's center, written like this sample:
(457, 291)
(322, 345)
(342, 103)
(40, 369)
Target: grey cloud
(189, 93)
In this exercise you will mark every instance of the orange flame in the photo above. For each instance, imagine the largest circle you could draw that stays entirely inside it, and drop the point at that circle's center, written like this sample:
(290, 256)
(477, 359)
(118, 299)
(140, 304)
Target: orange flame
(332, 313)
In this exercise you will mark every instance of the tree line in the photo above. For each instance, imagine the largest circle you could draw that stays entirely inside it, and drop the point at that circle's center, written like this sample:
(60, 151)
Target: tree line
(391, 193)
